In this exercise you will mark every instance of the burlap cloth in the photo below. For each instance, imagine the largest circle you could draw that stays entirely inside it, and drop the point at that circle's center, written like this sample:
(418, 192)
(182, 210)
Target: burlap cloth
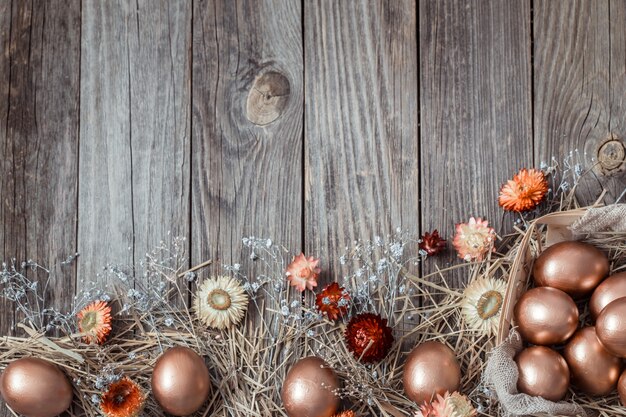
(501, 376)
(501, 372)
(601, 220)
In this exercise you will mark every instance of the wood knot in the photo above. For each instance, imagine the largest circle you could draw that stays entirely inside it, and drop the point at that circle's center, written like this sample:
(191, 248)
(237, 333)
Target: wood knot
(611, 156)
(267, 98)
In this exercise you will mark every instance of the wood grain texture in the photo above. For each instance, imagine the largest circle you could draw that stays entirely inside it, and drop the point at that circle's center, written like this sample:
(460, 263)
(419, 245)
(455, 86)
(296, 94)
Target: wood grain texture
(6, 308)
(135, 129)
(361, 134)
(105, 200)
(39, 155)
(476, 115)
(580, 85)
(160, 40)
(39, 109)
(247, 178)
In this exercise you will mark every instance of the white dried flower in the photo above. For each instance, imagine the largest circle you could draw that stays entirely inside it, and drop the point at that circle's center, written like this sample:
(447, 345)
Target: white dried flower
(220, 302)
(482, 304)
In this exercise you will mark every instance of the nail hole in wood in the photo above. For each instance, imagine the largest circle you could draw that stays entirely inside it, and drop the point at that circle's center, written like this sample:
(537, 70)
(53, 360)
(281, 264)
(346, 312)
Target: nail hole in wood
(611, 156)
(267, 98)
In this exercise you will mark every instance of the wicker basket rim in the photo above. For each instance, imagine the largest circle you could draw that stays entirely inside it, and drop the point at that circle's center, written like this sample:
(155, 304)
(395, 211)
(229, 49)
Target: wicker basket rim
(522, 263)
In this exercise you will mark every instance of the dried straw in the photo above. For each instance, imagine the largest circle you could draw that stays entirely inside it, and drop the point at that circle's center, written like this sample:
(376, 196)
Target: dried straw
(248, 363)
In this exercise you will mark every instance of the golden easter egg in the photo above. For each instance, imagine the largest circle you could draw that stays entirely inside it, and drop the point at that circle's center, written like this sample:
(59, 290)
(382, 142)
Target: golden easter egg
(180, 381)
(621, 388)
(574, 267)
(609, 290)
(542, 373)
(430, 369)
(594, 370)
(611, 327)
(546, 316)
(310, 388)
(34, 387)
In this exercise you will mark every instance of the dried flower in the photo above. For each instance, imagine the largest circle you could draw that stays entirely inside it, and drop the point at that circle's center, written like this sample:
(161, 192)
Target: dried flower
(368, 337)
(525, 191)
(333, 301)
(482, 304)
(124, 398)
(302, 272)
(431, 243)
(348, 413)
(450, 405)
(220, 302)
(94, 321)
(474, 239)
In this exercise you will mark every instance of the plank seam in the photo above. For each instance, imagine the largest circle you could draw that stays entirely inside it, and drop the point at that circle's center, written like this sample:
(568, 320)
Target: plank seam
(609, 66)
(130, 143)
(303, 156)
(80, 77)
(12, 315)
(191, 131)
(532, 81)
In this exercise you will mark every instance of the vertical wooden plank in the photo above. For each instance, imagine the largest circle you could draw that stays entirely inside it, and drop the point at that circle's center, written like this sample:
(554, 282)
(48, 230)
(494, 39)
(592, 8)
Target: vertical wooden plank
(51, 155)
(617, 68)
(39, 101)
(247, 165)
(105, 203)
(361, 132)
(6, 309)
(475, 99)
(135, 127)
(580, 85)
(160, 91)
(40, 138)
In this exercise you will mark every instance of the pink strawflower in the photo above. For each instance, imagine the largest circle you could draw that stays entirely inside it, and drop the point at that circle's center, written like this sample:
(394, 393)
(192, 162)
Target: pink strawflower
(450, 405)
(302, 272)
(474, 239)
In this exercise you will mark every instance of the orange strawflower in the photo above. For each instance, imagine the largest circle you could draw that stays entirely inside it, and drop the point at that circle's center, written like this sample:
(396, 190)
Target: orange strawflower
(124, 398)
(525, 191)
(345, 414)
(474, 239)
(94, 321)
(333, 301)
(302, 272)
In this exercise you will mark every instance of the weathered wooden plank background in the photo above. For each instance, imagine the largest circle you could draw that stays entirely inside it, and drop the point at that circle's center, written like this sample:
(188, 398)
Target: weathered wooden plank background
(311, 122)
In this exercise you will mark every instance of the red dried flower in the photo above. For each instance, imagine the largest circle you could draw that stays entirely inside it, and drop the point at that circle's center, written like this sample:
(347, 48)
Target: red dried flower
(302, 272)
(333, 301)
(525, 191)
(94, 321)
(124, 398)
(431, 243)
(368, 337)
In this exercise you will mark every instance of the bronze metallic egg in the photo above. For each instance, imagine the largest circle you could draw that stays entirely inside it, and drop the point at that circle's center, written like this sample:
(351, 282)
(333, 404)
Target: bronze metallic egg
(180, 381)
(546, 316)
(574, 267)
(611, 327)
(431, 368)
(610, 289)
(621, 388)
(310, 388)
(34, 387)
(594, 370)
(542, 373)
